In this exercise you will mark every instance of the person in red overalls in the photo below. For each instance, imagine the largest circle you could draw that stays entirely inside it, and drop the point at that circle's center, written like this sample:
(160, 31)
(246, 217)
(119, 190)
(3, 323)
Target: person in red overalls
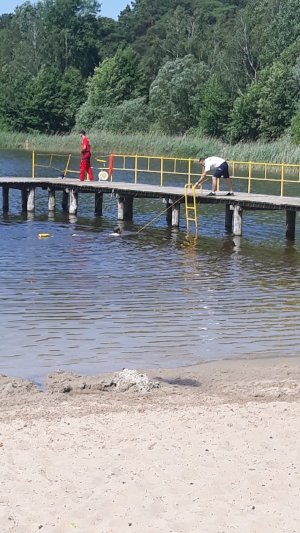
(85, 162)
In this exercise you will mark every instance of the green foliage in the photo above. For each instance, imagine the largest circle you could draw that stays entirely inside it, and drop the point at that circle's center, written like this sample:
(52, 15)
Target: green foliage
(129, 117)
(266, 109)
(215, 108)
(295, 127)
(174, 94)
(276, 103)
(45, 108)
(217, 66)
(244, 124)
(72, 94)
(70, 31)
(117, 79)
(13, 98)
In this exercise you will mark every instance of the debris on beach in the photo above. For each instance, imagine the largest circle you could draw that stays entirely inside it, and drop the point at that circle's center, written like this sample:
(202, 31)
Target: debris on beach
(10, 385)
(131, 379)
(65, 382)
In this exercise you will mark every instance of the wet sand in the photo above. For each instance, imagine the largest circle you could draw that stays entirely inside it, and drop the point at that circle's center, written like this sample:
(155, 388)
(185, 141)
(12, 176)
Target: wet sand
(212, 448)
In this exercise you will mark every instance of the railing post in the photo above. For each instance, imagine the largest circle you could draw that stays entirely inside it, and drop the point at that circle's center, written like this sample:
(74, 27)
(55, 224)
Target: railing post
(67, 165)
(135, 169)
(249, 176)
(33, 163)
(189, 173)
(282, 179)
(161, 171)
(111, 165)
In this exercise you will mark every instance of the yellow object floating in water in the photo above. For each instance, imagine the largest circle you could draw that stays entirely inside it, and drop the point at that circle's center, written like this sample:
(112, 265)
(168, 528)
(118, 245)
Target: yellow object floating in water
(43, 235)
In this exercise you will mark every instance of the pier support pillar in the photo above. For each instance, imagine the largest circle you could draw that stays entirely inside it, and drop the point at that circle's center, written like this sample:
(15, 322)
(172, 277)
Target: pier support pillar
(51, 200)
(168, 203)
(24, 195)
(125, 207)
(5, 199)
(290, 224)
(237, 220)
(98, 203)
(73, 202)
(31, 200)
(228, 217)
(175, 214)
(65, 201)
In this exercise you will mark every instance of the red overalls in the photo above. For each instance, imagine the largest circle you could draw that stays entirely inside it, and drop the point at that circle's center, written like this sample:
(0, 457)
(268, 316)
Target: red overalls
(85, 163)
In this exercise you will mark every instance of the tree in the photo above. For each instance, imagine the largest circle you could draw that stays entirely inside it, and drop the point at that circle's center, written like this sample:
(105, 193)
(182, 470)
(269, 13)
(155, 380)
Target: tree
(13, 98)
(173, 95)
(115, 80)
(267, 106)
(70, 34)
(244, 118)
(72, 94)
(295, 127)
(45, 107)
(215, 108)
(277, 101)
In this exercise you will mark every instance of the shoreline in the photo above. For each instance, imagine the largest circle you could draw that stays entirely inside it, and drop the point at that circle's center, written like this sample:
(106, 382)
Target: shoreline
(213, 448)
(276, 377)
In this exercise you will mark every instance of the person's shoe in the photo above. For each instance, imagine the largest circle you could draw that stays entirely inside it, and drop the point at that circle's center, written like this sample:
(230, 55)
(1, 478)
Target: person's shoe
(211, 194)
(230, 194)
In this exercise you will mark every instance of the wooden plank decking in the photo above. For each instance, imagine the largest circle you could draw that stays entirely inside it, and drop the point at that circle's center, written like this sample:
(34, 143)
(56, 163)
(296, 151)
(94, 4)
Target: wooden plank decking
(244, 200)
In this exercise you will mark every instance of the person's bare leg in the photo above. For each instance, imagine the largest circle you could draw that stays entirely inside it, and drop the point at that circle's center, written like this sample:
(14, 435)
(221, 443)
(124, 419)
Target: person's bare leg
(229, 184)
(214, 184)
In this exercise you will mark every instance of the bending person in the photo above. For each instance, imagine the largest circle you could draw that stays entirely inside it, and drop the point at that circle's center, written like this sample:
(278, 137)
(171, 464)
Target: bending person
(220, 170)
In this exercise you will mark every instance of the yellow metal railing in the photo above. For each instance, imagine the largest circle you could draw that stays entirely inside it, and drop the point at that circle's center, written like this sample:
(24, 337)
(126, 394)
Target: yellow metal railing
(50, 161)
(249, 176)
(61, 163)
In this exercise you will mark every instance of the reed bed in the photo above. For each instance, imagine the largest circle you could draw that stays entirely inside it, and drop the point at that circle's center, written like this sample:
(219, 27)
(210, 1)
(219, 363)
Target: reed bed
(193, 146)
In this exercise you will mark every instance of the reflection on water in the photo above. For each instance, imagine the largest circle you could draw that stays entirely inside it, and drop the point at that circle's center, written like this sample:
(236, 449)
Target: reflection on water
(82, 300)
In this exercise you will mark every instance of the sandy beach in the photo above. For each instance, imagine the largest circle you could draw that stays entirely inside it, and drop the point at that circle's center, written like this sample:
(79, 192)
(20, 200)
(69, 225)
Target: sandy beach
(212, 448)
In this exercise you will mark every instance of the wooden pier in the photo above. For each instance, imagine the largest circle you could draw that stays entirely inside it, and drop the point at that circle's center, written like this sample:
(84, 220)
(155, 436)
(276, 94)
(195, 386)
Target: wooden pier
(126, 192)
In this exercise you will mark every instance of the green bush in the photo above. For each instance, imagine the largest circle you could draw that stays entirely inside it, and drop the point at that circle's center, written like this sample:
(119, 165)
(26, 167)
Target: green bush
(130, 117)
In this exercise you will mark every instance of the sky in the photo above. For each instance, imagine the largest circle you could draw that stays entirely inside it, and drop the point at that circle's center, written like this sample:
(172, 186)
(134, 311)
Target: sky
(110, 8)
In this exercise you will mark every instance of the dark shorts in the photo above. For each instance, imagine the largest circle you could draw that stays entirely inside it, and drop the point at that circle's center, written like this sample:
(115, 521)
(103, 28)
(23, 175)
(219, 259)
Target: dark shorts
(222, 171)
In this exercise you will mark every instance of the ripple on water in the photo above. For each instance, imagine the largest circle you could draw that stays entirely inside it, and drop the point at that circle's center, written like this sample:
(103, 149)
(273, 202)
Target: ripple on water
(84, 301)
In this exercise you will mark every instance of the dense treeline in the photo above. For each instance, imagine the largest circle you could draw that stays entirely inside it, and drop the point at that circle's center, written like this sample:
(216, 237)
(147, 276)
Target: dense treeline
(229, 69)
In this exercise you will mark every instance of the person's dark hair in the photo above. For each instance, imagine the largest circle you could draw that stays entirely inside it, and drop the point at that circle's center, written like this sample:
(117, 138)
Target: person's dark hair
(82, 132)
(201, 158)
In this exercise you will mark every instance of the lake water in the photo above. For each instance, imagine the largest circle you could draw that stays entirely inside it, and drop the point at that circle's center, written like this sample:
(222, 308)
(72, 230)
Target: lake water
(88, 302)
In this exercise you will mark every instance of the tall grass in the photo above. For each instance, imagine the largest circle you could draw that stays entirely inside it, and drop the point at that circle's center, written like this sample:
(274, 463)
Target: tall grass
(193, 146)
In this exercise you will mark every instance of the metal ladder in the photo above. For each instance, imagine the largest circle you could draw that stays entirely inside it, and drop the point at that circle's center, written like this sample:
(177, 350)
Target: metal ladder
(190, 208)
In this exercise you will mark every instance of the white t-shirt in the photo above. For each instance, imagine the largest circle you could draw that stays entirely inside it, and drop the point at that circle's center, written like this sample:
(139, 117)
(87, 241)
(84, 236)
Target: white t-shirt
(211, 163)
